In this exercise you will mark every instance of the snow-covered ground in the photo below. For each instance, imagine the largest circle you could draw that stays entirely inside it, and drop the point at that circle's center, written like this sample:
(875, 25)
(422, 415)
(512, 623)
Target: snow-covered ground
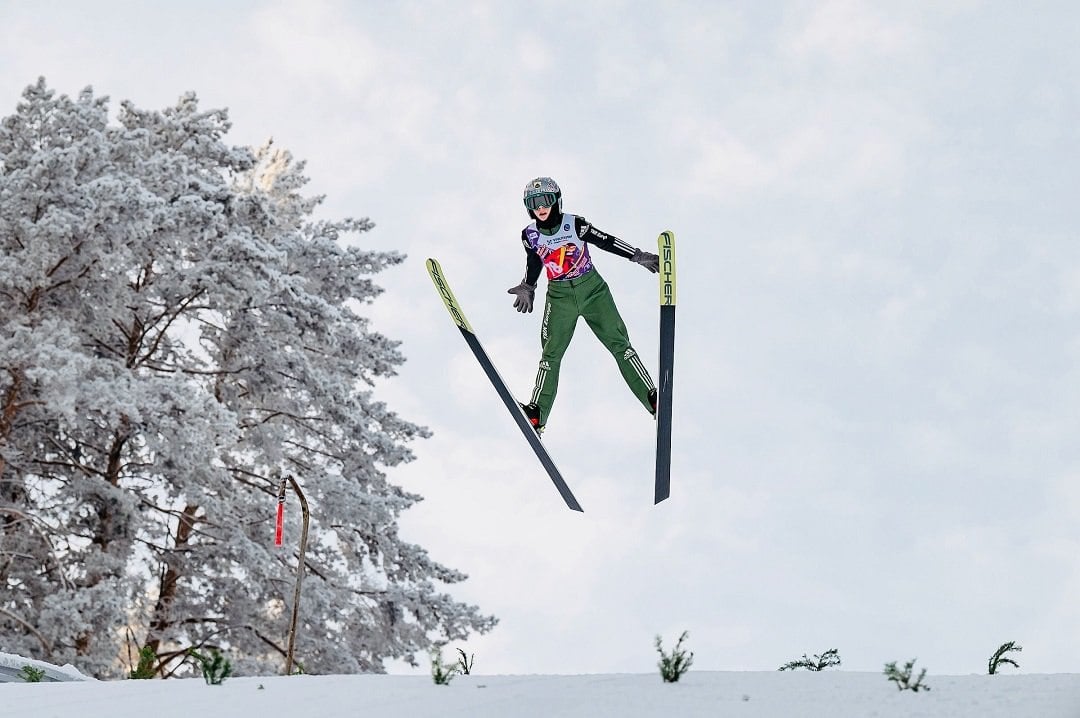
(831, 694)
(11, 667)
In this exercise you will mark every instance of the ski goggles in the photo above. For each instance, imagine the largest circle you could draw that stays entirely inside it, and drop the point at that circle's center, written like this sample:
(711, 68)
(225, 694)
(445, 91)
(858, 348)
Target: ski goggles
(536, 201)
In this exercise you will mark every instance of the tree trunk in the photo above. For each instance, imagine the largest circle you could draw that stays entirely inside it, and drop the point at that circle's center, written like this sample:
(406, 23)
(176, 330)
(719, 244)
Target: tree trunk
(170, 581)
(7, 413)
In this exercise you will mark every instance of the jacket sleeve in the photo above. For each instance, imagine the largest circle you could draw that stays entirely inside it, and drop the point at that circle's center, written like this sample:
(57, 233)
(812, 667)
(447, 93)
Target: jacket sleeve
(603, 240)
(533, 265)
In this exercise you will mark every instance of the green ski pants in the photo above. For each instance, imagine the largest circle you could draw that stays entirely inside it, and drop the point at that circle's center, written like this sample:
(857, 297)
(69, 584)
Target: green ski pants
(588, 297)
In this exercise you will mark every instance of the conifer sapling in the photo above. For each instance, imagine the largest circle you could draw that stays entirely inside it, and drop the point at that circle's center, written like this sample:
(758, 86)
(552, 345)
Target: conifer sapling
(902, 677)
(828, 659)
(999, 656)
(673, 665)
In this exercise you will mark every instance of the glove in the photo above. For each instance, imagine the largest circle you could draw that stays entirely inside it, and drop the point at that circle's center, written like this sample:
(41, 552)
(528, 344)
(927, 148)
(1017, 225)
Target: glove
(523, 296)
(646, 259)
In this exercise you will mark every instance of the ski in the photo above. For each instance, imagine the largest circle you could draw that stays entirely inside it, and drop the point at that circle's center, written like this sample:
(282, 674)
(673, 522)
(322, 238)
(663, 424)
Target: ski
(452, 306)
(666, 244)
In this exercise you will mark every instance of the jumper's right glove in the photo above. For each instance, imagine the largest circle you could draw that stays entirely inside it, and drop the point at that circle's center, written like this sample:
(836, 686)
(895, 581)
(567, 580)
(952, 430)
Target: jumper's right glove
(523, 296)
(646, 259)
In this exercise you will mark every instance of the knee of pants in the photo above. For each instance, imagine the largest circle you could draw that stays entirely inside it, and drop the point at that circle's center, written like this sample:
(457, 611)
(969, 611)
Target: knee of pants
(553, 352)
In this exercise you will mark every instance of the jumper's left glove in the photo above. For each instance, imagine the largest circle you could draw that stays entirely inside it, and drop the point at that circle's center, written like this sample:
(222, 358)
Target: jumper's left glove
(646, 259)
(523, 296)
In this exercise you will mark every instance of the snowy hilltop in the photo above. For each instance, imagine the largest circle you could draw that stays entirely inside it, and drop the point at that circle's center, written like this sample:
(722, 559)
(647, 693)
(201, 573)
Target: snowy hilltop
(833, 694)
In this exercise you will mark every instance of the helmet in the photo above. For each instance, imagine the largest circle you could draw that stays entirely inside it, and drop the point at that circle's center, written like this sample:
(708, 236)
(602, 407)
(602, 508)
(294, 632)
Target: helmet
(542, 192)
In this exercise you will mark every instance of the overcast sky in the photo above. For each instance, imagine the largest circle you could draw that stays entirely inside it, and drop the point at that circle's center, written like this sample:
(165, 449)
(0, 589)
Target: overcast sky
(877, 383)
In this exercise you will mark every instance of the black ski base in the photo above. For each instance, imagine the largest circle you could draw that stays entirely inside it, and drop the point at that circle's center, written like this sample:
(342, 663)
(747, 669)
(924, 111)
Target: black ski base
(452, 306)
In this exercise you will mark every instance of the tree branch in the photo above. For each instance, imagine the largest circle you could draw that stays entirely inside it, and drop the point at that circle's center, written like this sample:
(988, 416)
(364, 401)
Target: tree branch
(37, 634)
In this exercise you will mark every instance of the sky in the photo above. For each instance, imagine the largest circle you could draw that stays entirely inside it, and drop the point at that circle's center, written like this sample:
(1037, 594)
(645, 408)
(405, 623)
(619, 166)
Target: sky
(831, 694)
(876, 393)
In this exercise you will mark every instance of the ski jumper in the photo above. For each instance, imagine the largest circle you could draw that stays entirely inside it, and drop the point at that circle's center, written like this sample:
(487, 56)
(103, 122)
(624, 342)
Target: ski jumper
(575, 289)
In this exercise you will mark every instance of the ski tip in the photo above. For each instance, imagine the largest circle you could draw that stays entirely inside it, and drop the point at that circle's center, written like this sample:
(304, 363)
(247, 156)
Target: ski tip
(435, 271)
(666, 248)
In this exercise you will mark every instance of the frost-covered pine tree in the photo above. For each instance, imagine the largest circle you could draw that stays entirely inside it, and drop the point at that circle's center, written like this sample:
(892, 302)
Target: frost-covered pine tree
(176, 331)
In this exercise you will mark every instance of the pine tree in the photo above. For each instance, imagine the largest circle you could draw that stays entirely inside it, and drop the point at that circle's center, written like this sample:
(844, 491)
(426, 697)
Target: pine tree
(176, 329)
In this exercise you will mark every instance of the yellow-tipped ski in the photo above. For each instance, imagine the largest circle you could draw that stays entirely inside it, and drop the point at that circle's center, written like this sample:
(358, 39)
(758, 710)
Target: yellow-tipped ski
(451, 302)
(508, 400)
(666, 244)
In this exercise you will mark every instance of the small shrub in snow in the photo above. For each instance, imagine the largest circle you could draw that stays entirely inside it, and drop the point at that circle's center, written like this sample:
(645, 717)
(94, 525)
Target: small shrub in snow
(999, 656)
(902, 676)
(465, 664)
(215, 667)
(30, 674)
(673, 665)
(828, 659)
(441, 674)
(145, 668)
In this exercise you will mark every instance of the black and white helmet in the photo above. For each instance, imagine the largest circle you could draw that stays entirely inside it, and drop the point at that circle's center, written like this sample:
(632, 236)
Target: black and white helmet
(542, 192)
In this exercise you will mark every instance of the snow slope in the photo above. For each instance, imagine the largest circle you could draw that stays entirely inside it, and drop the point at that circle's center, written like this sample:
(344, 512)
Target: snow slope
(11, 668)
(832, 694)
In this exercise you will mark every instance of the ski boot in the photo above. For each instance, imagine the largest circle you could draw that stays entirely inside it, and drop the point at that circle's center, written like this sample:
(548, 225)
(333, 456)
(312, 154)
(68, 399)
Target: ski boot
(532, 413)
